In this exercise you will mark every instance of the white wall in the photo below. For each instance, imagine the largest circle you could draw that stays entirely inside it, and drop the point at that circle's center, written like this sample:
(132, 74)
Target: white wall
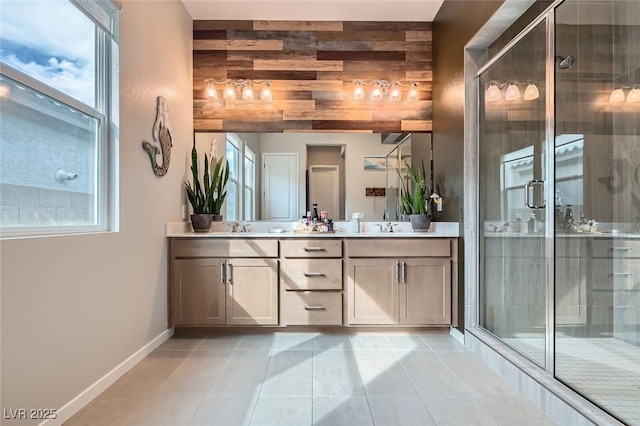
(75, 307)
(356, 178)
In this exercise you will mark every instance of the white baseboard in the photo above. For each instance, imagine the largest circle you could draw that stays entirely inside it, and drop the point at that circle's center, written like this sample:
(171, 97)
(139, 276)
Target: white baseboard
(89, 394)
(457, 334)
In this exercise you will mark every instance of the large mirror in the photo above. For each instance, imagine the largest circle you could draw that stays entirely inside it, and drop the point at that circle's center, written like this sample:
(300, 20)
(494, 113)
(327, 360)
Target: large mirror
(279, 176)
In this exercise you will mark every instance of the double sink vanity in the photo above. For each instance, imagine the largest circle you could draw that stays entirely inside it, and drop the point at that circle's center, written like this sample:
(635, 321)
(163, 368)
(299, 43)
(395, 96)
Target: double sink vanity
(283, 279)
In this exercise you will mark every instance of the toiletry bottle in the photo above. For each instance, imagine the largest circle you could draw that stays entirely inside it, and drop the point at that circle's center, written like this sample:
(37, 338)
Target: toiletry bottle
(355, 222)
(568, 218)
(531, 224)
(517, 226)
(315, 212)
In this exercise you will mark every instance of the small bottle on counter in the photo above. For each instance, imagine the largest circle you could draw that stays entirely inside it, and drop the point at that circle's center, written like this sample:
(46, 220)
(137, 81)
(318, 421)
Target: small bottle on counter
(355, 222)
(517, 225)
(531, 224)
(314, 216)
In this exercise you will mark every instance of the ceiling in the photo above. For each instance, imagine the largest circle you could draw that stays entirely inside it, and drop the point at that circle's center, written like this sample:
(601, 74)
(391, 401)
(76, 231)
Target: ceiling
(314, 10)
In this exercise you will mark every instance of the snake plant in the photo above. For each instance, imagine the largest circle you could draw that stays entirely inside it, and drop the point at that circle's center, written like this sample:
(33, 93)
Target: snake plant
(414, 201)
(207, 197)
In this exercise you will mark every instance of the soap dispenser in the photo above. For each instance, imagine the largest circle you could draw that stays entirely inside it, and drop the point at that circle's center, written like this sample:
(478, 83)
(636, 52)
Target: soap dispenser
(355, 223)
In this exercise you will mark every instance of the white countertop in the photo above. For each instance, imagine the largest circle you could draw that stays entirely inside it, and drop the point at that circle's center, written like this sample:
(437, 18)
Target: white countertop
(343, 230)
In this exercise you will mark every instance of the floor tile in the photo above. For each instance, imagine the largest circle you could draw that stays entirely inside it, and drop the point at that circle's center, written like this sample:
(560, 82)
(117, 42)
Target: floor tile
(282, 411)
(295, 342)
(146, 378)
(382, 375)
(341, 411)
(370, 342)
(457, 412)
(513, 410)
(289, 374)
(104, 412)
(335, 373)
(243, 374)
(389, 411)
(256, 342)
(195, 376)
(430, 376)
(164, 411)
(442, 342)
(181, 343)
(332, 342)
(224, 411)
(406, 342)
(219, 343)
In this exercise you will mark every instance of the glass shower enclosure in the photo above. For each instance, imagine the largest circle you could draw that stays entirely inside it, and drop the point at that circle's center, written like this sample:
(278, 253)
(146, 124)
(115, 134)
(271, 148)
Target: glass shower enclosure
(559, 198)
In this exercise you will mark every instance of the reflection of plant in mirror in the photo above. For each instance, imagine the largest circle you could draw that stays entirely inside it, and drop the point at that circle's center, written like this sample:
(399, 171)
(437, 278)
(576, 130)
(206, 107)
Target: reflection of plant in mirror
(415, 200)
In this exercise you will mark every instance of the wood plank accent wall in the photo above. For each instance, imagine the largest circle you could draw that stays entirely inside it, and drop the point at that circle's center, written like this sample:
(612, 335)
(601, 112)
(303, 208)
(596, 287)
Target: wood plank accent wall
(312, 66)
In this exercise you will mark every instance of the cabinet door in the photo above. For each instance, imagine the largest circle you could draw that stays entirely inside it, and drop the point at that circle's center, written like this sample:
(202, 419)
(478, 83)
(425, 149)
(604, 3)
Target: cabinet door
(372, 291)
(197, 292)
(252, 291)
(425, 292)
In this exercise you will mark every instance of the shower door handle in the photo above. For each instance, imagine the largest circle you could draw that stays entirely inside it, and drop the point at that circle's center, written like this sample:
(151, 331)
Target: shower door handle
(527, 191)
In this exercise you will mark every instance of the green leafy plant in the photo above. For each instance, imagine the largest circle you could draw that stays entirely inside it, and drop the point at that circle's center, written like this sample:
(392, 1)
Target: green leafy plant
(207, 197)
(414, 200)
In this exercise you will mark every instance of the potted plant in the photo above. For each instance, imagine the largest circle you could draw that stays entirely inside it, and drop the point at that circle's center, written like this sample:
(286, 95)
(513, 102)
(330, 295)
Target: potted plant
(207, 197)
(416, 203)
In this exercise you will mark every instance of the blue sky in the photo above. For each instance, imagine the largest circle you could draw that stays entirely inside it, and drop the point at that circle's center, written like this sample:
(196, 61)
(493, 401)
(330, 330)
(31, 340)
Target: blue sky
(51, 41)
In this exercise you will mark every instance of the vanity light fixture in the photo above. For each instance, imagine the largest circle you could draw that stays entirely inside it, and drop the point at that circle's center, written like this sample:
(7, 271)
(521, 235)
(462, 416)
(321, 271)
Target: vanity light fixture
(634, 95)
(231, 87)
(380, 87)
(617, 95)
(513, 91)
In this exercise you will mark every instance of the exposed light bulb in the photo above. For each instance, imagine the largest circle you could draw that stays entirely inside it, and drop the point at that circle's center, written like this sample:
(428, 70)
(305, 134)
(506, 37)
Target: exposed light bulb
(531, 92)
(493, 93)
(247, 91)
(266, 94)
(229, 92)
(376, 93)
(210, 91)
(5, 91)
(634, 95)
(512, 92)
(412, 96)
(617, 96)
(395, 94)
(358, 92)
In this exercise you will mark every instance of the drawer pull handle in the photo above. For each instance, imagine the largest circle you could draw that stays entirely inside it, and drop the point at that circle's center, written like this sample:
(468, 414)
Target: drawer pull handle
(314, 307)
(314, 274)
(313, 249)
(622, 248)
(623, 274)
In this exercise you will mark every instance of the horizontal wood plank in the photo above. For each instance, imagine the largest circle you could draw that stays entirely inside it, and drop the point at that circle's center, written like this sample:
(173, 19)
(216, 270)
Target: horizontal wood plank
(353, 114)
(418, 36)
(374, 57)
(297, 65)
(360, 35)
(386, 26)
(207, 124)
(298, 25)
(417, 126)
(406, 46)
(222, 25)
(237, 45)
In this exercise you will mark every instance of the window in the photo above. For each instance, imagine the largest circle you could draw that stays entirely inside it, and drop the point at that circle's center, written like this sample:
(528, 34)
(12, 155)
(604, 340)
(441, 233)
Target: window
(56, 104)
(242, 180)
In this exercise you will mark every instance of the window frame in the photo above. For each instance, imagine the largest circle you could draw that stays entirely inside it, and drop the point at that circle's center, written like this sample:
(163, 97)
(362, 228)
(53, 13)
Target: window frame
(107, 134)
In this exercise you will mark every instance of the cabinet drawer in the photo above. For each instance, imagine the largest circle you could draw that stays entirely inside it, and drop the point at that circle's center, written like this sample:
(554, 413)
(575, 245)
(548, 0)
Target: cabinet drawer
(312, 308)
(214, 247)
(311, 274)
(615, 248)
(319, 247)
(383, 247)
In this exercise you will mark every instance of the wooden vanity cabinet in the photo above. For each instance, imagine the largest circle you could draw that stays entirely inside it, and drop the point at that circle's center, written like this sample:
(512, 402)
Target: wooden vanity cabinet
(210, 287)
(399, 282)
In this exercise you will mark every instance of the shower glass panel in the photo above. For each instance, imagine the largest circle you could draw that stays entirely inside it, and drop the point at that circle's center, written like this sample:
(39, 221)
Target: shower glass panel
(597, 178)
(512, 177)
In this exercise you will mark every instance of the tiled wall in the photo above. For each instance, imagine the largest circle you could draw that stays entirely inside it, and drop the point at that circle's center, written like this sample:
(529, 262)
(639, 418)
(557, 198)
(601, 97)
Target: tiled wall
(27, 206)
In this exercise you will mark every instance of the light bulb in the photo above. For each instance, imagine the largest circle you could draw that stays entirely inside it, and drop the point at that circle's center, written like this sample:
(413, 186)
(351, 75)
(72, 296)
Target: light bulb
(634, 95)
(617, 96)
(395, 94)
(5, 91)
(493, 93)
(266, 94)
(358, 92)
(512, 92)
(412, 96)
(229, 92)
(247, 91)
(210, 91)
(376, 93)
(531, 92)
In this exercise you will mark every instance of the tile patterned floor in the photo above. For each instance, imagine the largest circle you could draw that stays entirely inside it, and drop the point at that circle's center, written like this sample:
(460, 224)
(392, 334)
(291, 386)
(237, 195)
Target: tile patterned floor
(311, 379)
(605, 370)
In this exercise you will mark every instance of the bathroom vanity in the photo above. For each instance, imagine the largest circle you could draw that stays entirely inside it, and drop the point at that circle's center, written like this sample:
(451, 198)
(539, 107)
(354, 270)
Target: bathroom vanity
(369, 279)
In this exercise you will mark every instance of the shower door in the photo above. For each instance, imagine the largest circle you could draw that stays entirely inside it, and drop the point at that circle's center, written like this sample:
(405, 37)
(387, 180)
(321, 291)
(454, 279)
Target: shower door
(512, 185)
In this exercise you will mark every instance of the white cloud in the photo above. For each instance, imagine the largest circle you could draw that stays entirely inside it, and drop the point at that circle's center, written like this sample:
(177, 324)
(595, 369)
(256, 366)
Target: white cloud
(63, 39)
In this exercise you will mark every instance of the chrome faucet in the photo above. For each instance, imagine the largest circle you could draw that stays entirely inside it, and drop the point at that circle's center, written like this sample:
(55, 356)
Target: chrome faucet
(389, 227)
